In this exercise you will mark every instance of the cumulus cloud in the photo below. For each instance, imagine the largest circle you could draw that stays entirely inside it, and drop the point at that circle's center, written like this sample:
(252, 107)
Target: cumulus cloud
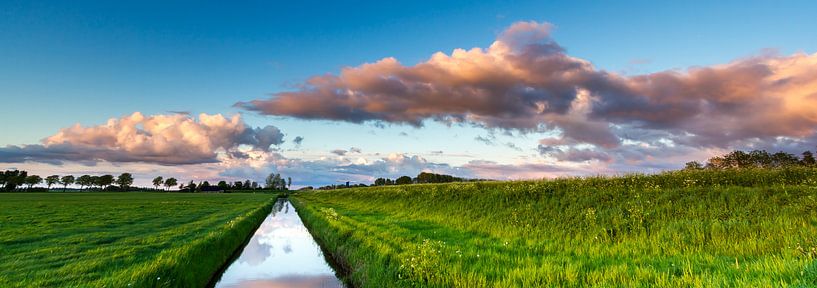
(172, 139)
(339, 152)
(525, 81)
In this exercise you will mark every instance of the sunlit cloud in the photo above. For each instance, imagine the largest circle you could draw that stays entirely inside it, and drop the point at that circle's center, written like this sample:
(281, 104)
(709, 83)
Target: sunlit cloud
(525, 81)
(173, 139)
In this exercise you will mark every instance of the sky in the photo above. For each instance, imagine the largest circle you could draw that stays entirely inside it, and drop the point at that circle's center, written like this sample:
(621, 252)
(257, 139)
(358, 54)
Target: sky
(351, 91)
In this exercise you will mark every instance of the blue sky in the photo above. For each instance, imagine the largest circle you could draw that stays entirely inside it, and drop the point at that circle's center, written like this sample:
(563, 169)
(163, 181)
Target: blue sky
(88, 61)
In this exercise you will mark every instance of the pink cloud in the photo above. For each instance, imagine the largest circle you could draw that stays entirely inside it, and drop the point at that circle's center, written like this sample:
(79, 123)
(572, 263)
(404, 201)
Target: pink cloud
(172, 139)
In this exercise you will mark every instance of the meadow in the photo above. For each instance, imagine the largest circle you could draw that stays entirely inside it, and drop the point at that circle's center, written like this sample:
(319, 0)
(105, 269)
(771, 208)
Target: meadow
(696, 228)
(134, 239)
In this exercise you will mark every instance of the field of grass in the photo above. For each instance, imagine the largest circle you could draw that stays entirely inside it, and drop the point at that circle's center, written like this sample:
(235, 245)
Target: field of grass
(135, 239)
(755, 228)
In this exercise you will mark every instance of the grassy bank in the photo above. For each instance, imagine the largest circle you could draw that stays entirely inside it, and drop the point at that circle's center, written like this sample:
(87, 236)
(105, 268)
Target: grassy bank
(122, 239)
(682, 229)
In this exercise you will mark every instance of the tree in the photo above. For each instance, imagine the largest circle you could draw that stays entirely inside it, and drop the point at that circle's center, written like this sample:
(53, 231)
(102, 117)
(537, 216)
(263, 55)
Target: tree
(124, 181)
(274, 181)
(205, 184)
(403, 180)
(783, 159)
(85, 181)
(65, 181)
(247, 184)
(222, 185)
(158, 181)
(425, 177)
(693, 165)
(51, 180)
(191, 186)
(808, 159)
(94, 181)
(32, 180)
(238, 185)
(254, 185)
(105, 181)
(170, 182)
(13, 178)
(289, 182)
(379, 182)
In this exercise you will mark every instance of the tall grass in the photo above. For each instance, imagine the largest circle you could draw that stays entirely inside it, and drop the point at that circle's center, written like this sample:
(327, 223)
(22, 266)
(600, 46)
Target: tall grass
(122, 239)
(736, 228)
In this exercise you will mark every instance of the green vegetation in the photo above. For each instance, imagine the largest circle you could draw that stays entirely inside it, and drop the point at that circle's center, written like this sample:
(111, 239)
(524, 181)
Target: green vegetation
(690, 228)
(122, 239)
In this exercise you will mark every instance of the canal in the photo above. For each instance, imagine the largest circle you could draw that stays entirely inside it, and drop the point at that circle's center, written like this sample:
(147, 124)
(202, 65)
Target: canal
(281, 253)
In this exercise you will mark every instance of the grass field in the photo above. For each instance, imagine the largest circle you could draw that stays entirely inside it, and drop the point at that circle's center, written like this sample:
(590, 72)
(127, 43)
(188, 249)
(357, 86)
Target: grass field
(755, 228)
(122, 239)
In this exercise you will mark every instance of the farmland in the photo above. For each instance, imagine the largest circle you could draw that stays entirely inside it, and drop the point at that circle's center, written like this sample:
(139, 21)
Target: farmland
(705, 228)
(122, 239)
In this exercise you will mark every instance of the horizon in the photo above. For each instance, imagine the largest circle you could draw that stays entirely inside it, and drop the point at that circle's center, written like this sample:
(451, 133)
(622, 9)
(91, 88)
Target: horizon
(209, 92)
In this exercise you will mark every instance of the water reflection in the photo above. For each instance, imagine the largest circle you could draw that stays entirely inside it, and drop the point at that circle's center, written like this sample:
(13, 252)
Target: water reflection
(281, 253)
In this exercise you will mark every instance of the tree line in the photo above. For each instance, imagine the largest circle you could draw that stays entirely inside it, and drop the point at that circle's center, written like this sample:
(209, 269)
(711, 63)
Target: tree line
(12, 180)
(423, 177)
(754, 159)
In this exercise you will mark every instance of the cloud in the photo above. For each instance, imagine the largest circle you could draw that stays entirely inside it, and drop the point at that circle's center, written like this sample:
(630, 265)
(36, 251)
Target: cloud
(339, 152)
(298, 140)
(497, 171)
(525, 81)
(173, 139)
(336, 169)
(487, 140)
(355, 150)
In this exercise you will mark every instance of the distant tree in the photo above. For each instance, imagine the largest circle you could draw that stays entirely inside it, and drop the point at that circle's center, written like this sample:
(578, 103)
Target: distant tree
(223, 185)
(13, 178)
(808, 159)
(205, 184)
(760, 158)
(783, 159)
(379, 182)
(158, 181)
(65, 181)
(32, 180)
(247, 184)
(425, 177)
(254, 185)
(105, 181)
(271, 181)
(51, 180)
(403, 180)
(170, 182)
(191, 186)
(85, 181)
(124, 181)
(289, 182)
(94, 181)
(275, 182)
(693, 165)
(238, 185)
(389, 181)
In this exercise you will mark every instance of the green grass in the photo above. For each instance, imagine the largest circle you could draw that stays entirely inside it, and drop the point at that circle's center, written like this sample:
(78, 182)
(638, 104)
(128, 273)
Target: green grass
(755, 228)
(122, 239)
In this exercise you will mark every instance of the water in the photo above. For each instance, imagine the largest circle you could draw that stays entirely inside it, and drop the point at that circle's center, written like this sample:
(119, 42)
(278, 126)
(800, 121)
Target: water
(281, 253)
